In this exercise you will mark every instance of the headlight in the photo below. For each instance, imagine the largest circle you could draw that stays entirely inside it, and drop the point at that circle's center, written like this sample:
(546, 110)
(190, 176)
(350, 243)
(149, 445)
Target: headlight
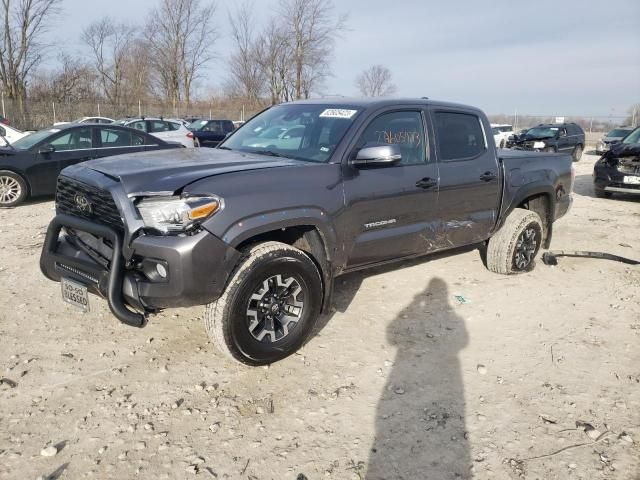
(177, 214)
(538, 145)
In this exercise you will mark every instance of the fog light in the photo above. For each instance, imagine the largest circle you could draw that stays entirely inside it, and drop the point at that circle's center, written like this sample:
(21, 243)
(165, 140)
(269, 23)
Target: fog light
(162, 271)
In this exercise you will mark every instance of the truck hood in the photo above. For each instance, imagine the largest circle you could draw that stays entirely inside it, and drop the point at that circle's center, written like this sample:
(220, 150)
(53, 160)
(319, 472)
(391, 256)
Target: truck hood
(171, 170)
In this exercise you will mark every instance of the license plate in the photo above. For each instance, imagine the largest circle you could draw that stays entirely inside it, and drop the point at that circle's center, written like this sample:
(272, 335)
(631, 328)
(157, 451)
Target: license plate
(632, 180)
(75, 294)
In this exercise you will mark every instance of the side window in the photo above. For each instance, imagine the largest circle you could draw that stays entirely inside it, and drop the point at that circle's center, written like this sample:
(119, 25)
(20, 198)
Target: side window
(172, 126)
(563, 132)
(139, 125)
(228, 126)
(75, 139)
(136, 139)
(459, 135)
(3, 132)
(398, 128)
(213, 127)
(156, 126)
(112, 137)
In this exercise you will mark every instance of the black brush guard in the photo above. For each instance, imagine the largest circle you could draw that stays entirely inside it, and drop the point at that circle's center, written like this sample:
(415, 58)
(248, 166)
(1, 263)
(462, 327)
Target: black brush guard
(110, 282)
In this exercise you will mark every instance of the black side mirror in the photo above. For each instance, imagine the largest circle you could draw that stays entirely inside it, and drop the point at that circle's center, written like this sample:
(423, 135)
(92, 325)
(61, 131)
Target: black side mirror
(48, 148)
(377, 156)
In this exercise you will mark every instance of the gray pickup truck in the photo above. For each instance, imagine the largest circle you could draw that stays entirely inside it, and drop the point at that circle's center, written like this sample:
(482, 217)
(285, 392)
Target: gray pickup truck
(258, 228)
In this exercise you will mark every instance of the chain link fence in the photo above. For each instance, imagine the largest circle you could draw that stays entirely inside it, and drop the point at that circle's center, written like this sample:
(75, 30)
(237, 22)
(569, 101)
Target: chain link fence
(38, 115)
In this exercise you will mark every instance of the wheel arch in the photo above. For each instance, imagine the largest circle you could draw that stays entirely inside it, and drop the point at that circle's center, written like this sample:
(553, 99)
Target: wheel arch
(539, 198)
(15, 171)
(307, 236)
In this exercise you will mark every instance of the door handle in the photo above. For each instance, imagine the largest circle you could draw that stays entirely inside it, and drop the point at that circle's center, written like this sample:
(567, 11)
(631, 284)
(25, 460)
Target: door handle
(426, 183)
(488, 176)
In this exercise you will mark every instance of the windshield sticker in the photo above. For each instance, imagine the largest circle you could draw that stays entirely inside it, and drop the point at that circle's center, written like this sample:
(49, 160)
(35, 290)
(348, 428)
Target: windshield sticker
(54, 130)
(338, 113)
(554, 129)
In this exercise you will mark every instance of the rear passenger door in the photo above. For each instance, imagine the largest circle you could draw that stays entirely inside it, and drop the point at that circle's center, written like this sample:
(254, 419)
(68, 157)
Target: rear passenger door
(469, 177)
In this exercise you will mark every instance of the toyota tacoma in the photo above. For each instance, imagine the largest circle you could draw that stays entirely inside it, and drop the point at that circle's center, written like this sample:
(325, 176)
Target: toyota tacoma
(258, 231)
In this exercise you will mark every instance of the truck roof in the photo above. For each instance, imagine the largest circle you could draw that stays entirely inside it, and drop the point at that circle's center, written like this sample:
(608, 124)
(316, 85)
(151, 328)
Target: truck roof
(377, 102)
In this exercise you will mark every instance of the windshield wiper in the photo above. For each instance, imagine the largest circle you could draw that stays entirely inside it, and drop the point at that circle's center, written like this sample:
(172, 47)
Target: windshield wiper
(271, 153)
(225, 148)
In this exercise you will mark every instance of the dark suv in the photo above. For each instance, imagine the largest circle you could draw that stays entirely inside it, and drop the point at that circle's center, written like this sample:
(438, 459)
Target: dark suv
(552, 137)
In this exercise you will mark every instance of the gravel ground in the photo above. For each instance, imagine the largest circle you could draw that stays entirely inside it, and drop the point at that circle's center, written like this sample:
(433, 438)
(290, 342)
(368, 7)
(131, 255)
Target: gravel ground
(537, 376)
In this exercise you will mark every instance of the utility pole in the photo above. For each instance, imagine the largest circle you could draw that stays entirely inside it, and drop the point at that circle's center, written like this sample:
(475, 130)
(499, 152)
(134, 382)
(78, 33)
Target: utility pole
(53, 104)
(5, 115)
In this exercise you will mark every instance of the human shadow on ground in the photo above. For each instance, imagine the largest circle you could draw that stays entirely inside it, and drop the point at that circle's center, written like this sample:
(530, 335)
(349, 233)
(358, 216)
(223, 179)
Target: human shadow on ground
(420, 418)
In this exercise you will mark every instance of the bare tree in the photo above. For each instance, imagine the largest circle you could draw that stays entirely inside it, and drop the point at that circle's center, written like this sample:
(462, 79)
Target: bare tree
(110, 43)
(375, 81)
(23, 24)
(273, 55)
(246, 77)
(69, 85)
(313, 30)
(181, 40)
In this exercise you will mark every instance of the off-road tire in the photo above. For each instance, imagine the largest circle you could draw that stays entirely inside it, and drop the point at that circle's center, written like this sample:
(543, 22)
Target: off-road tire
(501, 250)
(226, 319)
(576, 154)
(599, 193)
(19, 188)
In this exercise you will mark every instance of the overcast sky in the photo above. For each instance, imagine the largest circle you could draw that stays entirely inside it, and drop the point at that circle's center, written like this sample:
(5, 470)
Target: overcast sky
(537, 57)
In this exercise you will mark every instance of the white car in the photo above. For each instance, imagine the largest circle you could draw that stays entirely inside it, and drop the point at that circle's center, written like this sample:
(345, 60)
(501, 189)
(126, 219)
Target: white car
(167, 129)
(501, 133)
(10, 134)
(104, 120)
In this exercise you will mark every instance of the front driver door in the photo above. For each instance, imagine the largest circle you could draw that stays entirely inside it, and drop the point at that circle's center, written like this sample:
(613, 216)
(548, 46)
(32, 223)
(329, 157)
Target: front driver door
(390, 211)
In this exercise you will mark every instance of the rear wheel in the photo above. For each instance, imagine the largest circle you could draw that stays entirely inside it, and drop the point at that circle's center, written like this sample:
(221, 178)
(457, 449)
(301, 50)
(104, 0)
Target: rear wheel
(13, 189)
(270, 305)
(514, 247)
(577, 153)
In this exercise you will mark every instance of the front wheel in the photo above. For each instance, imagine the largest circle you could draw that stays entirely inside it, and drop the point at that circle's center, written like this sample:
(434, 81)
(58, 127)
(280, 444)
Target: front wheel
(577, 153)
(514, 247)
(13, 189)
(270, 305)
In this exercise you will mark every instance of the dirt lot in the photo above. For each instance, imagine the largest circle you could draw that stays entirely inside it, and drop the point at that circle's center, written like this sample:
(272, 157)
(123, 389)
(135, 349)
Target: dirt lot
(536, 377)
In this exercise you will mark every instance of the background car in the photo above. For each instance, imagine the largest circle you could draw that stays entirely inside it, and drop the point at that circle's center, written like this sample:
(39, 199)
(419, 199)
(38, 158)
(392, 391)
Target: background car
(10, 134)
(30, 166)
(618, 171)
(553, 137)
(4, 120)
(169, 130)
(281, 137)
(209, 133)
(104, 120)
(502, 132)
(614, 136)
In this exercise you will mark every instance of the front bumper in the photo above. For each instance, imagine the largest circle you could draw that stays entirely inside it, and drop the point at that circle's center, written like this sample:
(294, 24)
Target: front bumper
(197, 267)
(609, 179)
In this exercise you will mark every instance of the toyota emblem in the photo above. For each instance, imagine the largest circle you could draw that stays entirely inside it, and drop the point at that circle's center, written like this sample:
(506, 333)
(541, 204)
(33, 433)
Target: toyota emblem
(83, 204)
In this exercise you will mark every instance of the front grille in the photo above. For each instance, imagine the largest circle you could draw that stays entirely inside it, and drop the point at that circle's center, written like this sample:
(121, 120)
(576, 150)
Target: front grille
(101, 208)
(80, 273)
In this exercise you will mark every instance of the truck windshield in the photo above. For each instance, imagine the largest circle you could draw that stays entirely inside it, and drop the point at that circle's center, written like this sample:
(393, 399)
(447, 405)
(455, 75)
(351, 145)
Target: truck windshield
(299, 131)
(619, 132)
